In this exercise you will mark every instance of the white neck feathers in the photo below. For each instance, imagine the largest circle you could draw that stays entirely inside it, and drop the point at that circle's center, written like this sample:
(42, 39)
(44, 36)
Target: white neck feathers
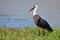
(34, 11)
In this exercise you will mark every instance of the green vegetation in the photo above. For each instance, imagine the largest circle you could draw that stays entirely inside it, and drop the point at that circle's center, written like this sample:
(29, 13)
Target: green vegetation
(28, 33)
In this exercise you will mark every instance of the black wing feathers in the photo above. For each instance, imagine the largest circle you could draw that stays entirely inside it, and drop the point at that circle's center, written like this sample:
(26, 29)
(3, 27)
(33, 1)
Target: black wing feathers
(41, 22)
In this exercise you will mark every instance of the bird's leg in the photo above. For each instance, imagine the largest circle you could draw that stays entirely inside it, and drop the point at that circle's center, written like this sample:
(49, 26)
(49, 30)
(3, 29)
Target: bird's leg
(39, 31)
(43, 32)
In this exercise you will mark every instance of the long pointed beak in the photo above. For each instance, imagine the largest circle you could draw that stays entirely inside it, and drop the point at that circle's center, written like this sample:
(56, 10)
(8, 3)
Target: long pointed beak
(31, 9)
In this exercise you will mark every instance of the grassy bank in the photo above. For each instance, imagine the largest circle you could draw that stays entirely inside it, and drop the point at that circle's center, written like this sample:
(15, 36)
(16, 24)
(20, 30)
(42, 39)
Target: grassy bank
(28, 33)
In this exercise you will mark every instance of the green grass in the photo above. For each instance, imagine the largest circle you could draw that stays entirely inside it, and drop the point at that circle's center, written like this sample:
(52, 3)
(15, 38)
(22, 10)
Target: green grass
(28, 33)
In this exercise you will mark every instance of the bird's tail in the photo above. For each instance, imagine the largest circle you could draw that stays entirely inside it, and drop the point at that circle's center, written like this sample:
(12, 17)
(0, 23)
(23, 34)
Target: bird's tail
(50, 29)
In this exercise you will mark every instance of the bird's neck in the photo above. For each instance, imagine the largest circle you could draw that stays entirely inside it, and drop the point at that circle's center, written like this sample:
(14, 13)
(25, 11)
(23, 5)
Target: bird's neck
(34, 11)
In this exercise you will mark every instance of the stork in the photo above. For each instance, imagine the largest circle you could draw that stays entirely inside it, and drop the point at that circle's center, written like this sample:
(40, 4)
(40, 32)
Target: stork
(40, 22)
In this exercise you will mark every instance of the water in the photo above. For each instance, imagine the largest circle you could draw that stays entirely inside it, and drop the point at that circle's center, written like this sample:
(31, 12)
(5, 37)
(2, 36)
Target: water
(14, 22)
(14, 13)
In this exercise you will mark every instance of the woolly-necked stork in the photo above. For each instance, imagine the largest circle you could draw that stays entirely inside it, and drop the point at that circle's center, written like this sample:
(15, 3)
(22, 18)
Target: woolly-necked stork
(39, 21)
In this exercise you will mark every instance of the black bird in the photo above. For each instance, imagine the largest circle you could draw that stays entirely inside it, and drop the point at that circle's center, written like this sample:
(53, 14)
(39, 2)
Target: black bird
(39, 21)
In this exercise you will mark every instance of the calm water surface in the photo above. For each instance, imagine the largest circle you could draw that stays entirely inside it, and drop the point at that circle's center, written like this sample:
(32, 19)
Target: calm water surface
(14, 22)
(14, 13)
